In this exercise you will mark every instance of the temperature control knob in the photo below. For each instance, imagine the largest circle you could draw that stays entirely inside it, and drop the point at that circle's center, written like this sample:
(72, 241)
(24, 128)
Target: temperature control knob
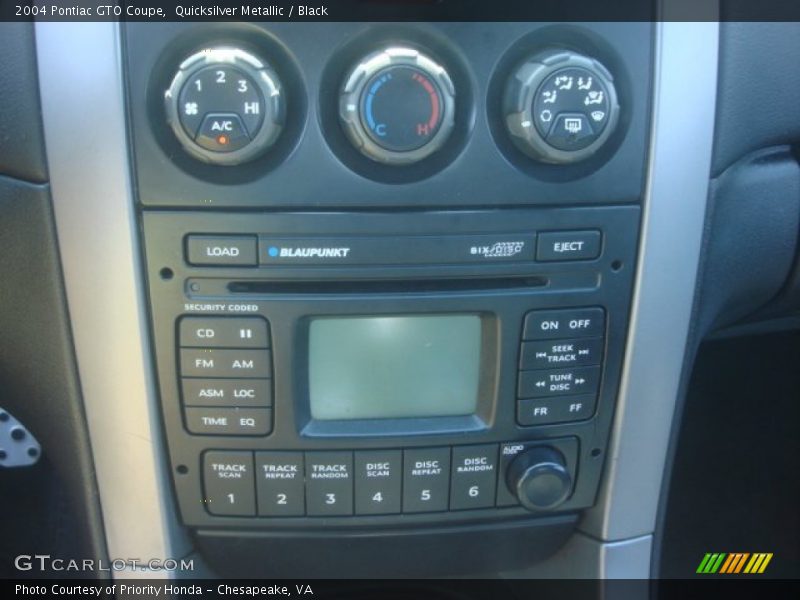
(539, 478)
(560, 107)
(225, 106)
(397, 106)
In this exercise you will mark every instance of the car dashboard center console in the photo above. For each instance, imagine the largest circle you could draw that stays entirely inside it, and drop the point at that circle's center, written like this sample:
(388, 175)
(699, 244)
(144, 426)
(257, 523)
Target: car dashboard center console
(388, 273)
(389, 283)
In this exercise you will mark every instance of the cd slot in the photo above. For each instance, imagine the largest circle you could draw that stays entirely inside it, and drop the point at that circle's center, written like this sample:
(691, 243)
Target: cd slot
(383, 286)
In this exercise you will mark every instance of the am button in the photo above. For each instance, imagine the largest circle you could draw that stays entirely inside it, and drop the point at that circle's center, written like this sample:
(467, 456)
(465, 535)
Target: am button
(568, 245)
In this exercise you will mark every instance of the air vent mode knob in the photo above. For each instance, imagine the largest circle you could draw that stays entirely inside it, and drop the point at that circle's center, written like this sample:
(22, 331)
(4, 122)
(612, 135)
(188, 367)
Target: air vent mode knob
(539, 478)
(560, 107)
(225, 106)
(397, 106)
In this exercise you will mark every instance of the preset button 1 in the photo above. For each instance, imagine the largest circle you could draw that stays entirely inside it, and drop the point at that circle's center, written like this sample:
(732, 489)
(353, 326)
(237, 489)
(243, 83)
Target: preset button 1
(229, 484)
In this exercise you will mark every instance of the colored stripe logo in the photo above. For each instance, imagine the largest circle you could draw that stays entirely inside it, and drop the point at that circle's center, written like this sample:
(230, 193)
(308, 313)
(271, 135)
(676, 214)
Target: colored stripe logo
(734, 563)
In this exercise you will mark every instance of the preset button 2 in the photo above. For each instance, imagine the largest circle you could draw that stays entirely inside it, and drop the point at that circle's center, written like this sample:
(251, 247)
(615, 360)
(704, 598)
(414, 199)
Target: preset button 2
(279, 482)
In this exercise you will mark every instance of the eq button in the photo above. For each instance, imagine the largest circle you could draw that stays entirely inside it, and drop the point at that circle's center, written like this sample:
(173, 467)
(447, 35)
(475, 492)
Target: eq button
(229, 421)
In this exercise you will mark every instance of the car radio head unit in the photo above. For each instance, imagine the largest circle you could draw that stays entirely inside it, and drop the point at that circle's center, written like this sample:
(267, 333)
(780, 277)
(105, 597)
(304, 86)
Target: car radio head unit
(385, 386)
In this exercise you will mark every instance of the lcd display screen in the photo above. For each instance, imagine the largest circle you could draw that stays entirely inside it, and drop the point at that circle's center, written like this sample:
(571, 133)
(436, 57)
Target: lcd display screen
(394, 367)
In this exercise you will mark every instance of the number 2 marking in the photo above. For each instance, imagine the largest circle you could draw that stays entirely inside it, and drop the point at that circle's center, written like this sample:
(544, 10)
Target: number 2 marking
(220, 76)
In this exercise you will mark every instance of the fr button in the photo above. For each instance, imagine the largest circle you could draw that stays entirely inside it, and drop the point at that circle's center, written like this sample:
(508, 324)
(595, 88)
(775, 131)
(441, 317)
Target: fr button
(222, 132)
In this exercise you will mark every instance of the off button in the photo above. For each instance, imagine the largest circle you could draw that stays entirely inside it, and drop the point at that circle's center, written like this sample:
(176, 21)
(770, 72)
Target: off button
(565, 323)
(213, 251)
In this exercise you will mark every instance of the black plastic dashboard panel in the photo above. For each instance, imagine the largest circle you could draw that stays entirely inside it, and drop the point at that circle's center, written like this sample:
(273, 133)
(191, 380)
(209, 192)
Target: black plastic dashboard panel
(312, 164)
(21, 138)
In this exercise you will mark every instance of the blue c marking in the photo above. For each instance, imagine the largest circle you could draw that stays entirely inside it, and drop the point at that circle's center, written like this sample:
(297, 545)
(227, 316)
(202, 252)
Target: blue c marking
(378, 128)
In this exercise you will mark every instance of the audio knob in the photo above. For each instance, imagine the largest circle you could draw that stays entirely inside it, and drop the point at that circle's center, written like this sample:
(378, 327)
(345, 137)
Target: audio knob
(560, 107)
(539, 478)
(397, 106)
(225, 106)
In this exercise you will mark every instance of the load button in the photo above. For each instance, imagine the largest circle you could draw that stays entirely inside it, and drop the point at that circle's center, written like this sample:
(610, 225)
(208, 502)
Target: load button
(206, 250)
(568, 245)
